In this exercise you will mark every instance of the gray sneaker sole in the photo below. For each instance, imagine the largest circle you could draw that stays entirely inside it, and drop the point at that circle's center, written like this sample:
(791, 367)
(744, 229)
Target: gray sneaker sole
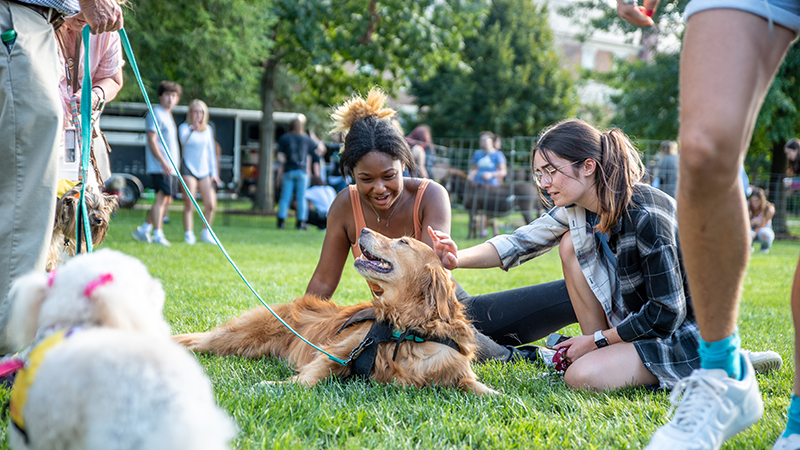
(138, 237)
(765, 362)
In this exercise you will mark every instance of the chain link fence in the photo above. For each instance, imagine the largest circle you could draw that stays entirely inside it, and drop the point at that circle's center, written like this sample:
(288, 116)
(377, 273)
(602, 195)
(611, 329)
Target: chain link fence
(452, 161)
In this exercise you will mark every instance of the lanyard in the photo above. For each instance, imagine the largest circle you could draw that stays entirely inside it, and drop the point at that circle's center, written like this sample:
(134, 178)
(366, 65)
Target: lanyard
(593, 220)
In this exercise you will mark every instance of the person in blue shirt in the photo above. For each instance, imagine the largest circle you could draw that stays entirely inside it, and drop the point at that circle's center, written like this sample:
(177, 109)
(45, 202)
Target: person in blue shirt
(488, 168)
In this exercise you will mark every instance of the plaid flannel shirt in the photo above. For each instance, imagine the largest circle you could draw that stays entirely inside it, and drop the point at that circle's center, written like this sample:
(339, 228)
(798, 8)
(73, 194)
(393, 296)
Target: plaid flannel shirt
(647, 296)
(67, 7)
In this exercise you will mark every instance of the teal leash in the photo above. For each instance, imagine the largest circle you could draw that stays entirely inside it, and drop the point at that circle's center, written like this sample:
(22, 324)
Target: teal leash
(86, 144)
(132, 60)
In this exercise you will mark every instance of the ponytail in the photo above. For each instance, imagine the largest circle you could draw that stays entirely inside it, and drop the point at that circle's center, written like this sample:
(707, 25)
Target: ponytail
(366, 127)
(619, 170)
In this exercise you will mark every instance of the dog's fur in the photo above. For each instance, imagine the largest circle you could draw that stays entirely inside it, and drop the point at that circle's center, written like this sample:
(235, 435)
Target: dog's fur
(492, 201)
(99, 206)
(418, 294)
(119, 382)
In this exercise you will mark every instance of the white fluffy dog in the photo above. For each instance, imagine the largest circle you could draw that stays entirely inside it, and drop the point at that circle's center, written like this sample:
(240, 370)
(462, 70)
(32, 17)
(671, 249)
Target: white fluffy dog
(117, 381)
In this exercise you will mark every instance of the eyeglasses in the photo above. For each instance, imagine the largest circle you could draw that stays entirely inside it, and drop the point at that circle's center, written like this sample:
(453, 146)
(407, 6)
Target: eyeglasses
(547, 176)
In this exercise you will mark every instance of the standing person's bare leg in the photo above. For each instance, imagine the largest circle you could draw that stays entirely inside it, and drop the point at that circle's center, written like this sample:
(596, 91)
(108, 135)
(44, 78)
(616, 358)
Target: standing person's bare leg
(160, 207)
(188, 210)
(728, 61)
(209, 194)
(790, 439)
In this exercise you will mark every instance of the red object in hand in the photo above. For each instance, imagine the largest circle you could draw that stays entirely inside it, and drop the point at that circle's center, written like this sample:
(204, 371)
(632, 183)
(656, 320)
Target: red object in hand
(559, 359)
(649, 12)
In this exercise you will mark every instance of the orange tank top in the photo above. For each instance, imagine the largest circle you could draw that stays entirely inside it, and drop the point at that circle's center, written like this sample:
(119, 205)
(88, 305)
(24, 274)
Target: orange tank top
(358, 216)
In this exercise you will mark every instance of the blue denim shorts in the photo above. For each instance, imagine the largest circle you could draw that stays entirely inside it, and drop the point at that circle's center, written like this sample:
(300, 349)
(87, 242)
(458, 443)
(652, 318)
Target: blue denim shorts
(783, 12)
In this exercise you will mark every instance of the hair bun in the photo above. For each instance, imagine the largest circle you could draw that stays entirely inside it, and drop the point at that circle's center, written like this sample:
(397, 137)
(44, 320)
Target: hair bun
(357, 107)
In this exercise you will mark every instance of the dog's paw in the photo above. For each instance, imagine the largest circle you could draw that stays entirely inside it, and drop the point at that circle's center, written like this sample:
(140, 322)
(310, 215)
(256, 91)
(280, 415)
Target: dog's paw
(269, 387)
(299, 381)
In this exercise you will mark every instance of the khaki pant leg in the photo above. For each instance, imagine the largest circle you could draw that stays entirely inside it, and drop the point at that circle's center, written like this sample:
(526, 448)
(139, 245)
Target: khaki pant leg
(30, 123)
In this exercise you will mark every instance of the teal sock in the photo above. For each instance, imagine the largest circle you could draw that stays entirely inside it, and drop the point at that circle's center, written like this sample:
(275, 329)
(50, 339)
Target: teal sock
(723, 355)
(793, 423)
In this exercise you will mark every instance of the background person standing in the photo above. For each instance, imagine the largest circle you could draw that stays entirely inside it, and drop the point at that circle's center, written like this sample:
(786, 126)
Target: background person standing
(158, 165)
(294, 156)
(199, 169)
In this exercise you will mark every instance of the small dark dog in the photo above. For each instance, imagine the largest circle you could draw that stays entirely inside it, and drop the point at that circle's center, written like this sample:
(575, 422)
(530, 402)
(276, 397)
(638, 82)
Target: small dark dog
(100, 206)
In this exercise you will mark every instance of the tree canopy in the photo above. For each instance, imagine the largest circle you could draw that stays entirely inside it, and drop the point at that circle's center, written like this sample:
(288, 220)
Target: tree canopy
(509, 80)
(647, 103)
(210, 47)
(647, 106)
(232, 52)
(341, 47)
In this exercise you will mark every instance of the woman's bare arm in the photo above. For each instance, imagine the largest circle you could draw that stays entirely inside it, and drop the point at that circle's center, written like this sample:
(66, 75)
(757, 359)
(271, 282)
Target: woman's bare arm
(335, 248)
(435, 211)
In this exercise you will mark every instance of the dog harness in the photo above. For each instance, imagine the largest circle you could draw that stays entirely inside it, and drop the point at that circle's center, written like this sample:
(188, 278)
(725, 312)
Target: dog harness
(27, 375)
(363, 355)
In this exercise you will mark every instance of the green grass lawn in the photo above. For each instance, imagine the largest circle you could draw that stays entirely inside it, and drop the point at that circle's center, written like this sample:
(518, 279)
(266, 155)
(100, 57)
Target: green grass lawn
(534, 410)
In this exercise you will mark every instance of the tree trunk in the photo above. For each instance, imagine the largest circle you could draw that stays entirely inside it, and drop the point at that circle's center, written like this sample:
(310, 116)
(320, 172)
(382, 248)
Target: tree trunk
(265, 194)
(777, 191)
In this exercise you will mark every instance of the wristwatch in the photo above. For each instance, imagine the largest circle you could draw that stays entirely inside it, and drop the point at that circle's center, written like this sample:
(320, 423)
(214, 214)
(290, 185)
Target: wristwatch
(599, 340)
(628, 2)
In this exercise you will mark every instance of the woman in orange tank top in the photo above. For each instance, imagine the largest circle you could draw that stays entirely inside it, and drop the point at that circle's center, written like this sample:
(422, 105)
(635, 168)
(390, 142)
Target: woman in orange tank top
(375, 155)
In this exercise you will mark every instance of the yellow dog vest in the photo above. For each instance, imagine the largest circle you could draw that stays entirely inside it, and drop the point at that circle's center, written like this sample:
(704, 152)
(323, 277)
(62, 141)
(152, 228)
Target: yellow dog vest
(27, 375)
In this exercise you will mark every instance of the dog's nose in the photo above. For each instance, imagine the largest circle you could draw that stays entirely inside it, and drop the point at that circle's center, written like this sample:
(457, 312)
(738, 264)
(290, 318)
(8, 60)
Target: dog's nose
(365, 231)
(96, 220)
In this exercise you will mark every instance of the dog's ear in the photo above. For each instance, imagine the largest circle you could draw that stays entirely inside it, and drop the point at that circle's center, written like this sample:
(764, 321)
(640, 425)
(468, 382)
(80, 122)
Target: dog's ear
(111, 202)
(118, 305)
(438, 290)
(24, 304)
(64, 208)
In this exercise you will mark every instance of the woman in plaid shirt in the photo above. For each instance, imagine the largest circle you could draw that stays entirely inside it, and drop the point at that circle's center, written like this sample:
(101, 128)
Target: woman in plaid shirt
(618, 243)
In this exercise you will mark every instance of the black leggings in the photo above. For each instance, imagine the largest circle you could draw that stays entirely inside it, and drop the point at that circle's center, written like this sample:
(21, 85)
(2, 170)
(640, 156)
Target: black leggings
(522, 315)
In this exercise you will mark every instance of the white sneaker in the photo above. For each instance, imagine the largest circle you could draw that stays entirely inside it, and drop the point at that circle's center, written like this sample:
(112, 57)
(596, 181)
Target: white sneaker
(205, 236)
(189, 238)
(764, 362)
(161, 240)
(710, 408)
(141, 235)
(546, 356)
(791, 442)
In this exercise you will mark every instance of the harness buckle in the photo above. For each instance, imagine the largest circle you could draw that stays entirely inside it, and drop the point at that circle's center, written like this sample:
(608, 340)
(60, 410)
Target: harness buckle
(358, 349)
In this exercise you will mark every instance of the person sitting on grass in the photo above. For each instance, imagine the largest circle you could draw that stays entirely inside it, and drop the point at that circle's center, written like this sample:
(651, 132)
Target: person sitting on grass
(320, 197)
(620, 257)
(761, 213)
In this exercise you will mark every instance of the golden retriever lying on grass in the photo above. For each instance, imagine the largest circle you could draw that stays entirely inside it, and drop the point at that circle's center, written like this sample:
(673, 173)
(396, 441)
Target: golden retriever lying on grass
(419, 297)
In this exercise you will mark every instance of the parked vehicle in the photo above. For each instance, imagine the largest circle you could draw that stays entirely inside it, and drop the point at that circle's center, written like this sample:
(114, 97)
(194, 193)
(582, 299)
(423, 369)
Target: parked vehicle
(236, 130)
